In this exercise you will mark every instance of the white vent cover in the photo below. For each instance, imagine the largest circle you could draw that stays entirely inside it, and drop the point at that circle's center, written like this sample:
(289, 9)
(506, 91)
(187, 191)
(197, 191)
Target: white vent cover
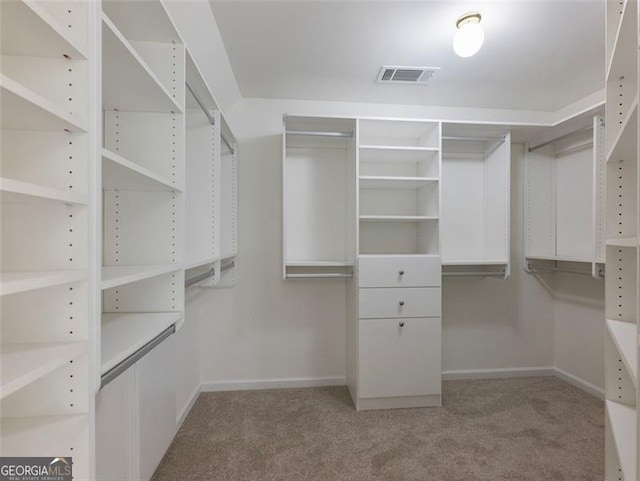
(406, 75)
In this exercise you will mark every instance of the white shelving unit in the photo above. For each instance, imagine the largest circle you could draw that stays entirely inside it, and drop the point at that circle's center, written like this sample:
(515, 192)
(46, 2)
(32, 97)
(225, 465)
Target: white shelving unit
(564, 198)
(622, 247)
(476, 200)
(47, 158)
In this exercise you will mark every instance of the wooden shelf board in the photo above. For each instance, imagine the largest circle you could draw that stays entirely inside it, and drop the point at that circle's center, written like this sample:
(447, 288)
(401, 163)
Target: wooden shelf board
(624, 336)
(416, 148)
(623, 421)
(114, 276)
(127, 81)
(45, 435)
(624, 145)
(124, 334)
(27, 29)
(119, 173)
(23, 109)
(18, 191)
(12, 282)
(623, 242)
(25, 363)
(625, 46)
(396, 218)
(388, 182)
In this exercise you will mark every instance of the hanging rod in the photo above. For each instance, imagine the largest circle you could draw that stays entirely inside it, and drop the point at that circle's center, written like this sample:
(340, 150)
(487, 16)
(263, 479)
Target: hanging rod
(211, 118)
(561, 137)
(319, 133)
(228, 266)
(125, 364)
(535, 270)
(473, 274)
(494, 147)
(327, 275)
(575, 148)
(199, 278)
(470, 139)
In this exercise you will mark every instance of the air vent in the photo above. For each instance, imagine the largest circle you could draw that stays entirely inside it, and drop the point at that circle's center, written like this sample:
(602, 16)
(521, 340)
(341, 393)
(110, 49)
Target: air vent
(406, 75)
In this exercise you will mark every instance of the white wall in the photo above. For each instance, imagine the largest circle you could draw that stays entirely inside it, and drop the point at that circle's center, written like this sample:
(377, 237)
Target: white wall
(267, 328)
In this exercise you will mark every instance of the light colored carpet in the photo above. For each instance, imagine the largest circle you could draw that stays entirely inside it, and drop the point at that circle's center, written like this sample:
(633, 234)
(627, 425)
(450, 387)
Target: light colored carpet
(534, 429)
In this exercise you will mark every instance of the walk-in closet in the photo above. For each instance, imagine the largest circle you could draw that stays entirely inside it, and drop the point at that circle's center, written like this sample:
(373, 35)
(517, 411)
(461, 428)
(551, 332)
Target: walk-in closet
(309, 241)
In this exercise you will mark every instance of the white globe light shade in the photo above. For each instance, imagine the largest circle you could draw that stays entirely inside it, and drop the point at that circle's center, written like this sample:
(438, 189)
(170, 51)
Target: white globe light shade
(468, 39)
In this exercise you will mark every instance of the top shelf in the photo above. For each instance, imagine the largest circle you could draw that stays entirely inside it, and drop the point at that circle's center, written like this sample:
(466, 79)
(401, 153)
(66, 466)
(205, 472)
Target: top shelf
(27, 29)
(127, 81)
(144, 21)
(412, 148)
(625, 43)
(399, 134)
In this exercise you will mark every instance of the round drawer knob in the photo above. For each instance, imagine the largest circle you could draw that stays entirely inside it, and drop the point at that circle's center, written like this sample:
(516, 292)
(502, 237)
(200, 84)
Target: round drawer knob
(401, 324)
(401, 303)
(401, 273)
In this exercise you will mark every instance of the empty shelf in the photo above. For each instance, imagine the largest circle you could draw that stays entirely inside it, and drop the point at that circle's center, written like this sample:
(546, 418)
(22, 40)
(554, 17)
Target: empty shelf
(193, 263)
(121, 173)
(12, 282)
(623, 242)
(396, 218)
(127, 81)
(23, 364)
(302, 263)
(124, 334)
(623, 424)
(624, 337)
(474, 262)
(400, 147)
(44, 435)
(624, 144)
(27, 29)
(379, 182)
(114, 276)
(18, 191)
(23, 109)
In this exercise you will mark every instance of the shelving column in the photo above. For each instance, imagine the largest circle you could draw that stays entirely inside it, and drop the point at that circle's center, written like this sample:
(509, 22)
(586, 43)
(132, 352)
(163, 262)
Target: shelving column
(47, 84)
(621, 302)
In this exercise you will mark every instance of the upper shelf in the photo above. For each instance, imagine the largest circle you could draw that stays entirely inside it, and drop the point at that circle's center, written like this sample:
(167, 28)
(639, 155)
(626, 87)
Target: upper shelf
(23, 109)
(120, 173)
(624, 337)
(145, 21)
(27, 29)
(13, 282)
(23, 364)
(18, 191)
(114, 276)
(127, 81)
(389, 182)
(396, 218)
(625, 44)
(413, 148)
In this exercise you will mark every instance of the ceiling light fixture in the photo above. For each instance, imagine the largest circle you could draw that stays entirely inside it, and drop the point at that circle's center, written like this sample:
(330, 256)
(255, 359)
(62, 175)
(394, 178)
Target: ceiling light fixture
(470, 36)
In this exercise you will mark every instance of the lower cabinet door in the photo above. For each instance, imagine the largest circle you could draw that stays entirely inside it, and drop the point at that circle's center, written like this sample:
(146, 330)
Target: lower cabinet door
(156, 406)
(399, 357)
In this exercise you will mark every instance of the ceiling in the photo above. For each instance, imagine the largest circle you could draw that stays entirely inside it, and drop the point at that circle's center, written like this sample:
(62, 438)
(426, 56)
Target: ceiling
(537, 55)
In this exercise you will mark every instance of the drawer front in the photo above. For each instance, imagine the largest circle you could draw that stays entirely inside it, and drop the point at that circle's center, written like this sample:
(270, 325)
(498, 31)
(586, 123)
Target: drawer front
(407, 302)
(399, 360)
(400, 271)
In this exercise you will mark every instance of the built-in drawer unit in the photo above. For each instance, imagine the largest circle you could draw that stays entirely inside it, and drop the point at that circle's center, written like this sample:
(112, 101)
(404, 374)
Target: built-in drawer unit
(399, 357)
(407, 302)
(399, 271)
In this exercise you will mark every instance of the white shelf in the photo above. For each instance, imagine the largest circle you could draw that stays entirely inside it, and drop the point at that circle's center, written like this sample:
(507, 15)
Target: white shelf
(121, 173)
(396, 218)
(388, 182)
(13, 282)
(474, 262)
(18, 191)
(44, 435)
(400, 147)
(114, 276)
(623, 242)
(560, 259)
(625, 46)
(302, 263)
(124, 334)
(127, 81)
(28, 30)
(624, 337)
(623, 425)
(23, 109)
(193, 263)
(23, 364)
(625, 144)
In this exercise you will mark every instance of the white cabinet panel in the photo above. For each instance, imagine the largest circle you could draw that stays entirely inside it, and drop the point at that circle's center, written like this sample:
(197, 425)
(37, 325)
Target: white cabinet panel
(406, 302)
(400, 271)
(399, 357)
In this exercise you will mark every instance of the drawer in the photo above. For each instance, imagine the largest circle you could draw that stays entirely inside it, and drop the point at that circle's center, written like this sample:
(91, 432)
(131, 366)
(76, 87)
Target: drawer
(399, 360)
(406, 302)
(400, 271)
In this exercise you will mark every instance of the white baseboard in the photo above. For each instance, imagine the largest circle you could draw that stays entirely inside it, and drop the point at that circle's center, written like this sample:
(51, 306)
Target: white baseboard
(187, 409)
(498, 373)
(580, 383)
(285, 383)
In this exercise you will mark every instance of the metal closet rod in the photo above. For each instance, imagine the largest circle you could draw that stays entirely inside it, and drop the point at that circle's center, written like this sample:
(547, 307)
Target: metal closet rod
(561, 137)
(200, 278)
(533, 270)
(473, 274)
(470, 139)
(228, 266)
(319, 133)
(125, 364)
(211, 118)
(321, 275)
